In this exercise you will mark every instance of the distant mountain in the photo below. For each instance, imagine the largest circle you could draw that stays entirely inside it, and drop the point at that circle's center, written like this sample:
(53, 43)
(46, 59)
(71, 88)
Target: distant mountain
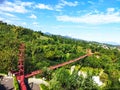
(48, 33)
(103, 42)
(112, 43)
(67, 36)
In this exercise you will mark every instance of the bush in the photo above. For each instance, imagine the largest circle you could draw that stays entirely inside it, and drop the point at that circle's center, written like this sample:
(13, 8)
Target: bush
(16, 85)
(43, 87)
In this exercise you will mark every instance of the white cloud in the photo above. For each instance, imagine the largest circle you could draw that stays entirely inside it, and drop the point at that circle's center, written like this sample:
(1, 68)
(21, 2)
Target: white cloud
(1, 19)
(110, 10)
(99, 18)
(64, 3)
(7, 14)
(24, 23)
(35, 23)
(17, 6)
(5, 20)
(90, 2)
(75, 3)
(43, 6)
(9, 18)
(29, 4)
(33, 16)
(57, 7)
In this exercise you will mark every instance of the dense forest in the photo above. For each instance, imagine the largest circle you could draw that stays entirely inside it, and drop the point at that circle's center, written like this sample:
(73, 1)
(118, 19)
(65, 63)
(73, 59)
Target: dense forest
(44, 50)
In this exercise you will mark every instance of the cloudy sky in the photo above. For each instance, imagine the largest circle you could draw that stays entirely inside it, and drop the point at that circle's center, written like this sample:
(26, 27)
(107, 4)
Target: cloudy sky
(94, 20)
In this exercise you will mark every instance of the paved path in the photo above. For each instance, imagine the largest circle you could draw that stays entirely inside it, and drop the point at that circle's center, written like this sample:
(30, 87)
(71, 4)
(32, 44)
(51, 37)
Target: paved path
(35, 82)
(7, 83)
(34, 86)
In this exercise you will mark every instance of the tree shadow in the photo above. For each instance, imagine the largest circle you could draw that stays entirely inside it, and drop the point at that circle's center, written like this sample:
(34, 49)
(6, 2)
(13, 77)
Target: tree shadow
(28, 85)
(2, 87)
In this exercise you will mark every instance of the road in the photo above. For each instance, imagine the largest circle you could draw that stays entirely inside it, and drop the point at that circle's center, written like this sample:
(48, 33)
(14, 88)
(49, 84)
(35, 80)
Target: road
(7, 84)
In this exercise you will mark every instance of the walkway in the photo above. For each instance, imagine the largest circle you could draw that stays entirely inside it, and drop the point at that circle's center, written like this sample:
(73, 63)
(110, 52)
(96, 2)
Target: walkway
(7, 83)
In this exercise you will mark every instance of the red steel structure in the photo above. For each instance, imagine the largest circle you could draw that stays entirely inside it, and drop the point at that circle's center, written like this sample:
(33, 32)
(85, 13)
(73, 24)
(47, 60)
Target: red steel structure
(89, 53)
(20, 74)
(55, 66)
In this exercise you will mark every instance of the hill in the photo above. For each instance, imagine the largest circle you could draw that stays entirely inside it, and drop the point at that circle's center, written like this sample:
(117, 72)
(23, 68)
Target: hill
(43, 50)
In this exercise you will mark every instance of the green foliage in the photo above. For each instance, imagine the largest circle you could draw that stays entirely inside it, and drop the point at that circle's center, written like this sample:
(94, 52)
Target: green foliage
(55, 85)
(16, 85)
(92, 71)
(63, 80)
(105, 79)
(46, 50)
(92, 61)
(43, 87)
(75, 81)
(114, 78)
(46, 73)
(89, 83)
(60, 80)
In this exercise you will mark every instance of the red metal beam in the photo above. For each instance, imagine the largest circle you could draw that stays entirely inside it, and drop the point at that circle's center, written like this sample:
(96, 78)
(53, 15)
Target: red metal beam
(89, 53)
(56, 66)
(20, 73)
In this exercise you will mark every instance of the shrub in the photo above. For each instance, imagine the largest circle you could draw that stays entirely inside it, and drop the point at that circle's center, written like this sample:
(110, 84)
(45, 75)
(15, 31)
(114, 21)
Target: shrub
(43, 87)
(16, 85)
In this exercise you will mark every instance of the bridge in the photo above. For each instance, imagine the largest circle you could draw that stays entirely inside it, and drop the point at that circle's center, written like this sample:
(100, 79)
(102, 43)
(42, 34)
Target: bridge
(20, 73)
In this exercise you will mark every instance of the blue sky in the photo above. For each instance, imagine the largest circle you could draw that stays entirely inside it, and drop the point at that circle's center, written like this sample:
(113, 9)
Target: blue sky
(93, 20)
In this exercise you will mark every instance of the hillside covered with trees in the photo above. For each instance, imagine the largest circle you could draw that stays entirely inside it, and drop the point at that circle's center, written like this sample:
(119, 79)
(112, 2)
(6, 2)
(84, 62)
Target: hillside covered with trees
(43, 50)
